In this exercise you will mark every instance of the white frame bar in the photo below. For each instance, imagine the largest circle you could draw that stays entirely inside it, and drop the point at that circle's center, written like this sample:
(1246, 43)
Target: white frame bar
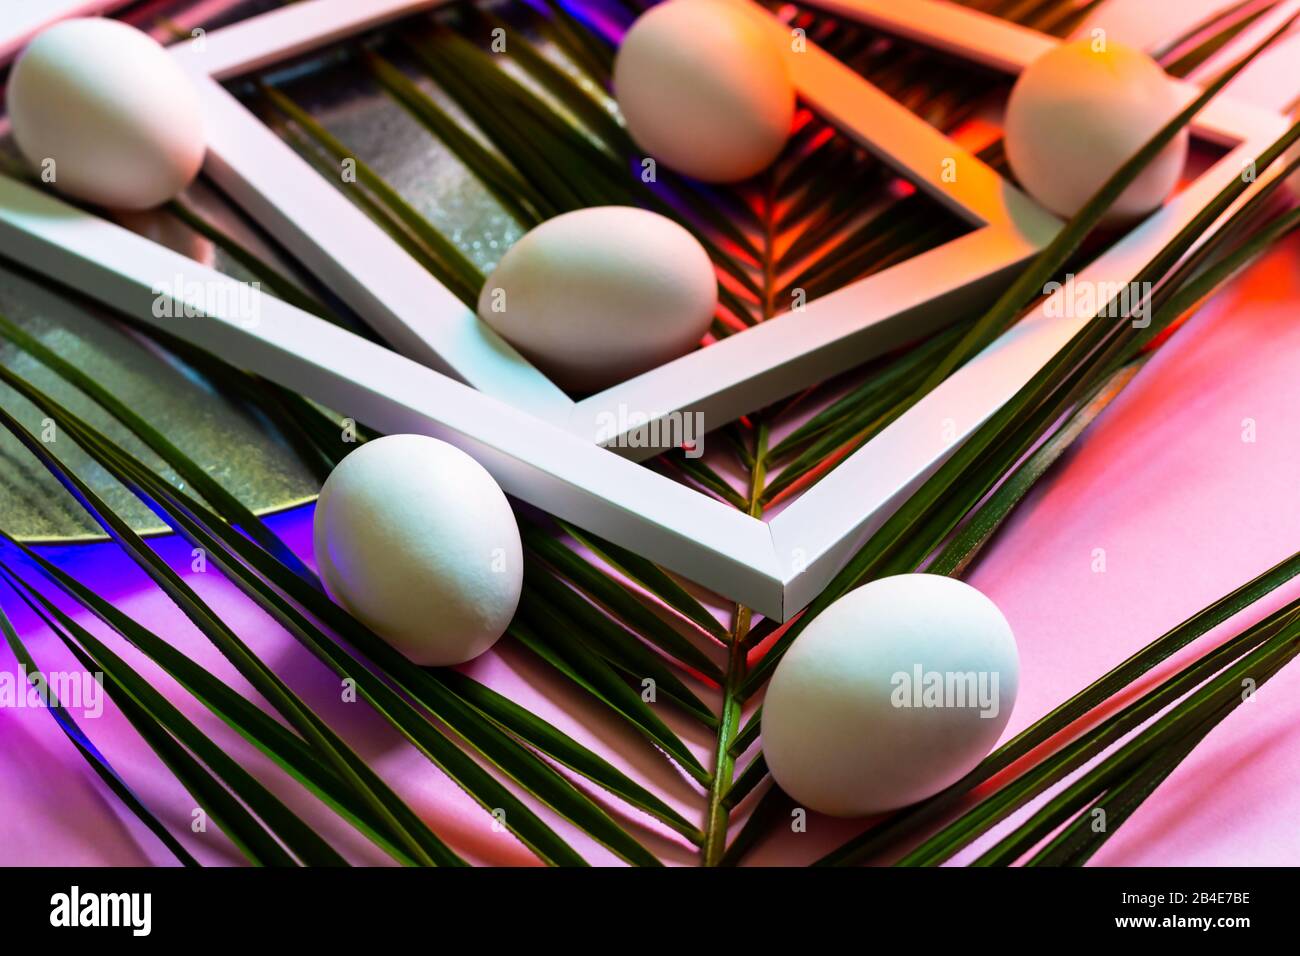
(775, 567)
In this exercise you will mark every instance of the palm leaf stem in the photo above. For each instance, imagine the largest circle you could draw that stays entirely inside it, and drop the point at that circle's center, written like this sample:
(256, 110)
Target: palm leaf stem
(772, 808)
(718, 812)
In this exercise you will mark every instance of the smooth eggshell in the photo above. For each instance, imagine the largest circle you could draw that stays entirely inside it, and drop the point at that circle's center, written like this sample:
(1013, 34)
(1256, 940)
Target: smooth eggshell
(596, 296)
(1076, 115)
(833, 736)
(415, 539)
(704, 89)
(105, 102)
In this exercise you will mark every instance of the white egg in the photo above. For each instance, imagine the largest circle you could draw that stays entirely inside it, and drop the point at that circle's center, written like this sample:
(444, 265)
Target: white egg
(704, 89)
(416, 540)
(1076, 115)
(892, 693)
(596, 296)
(115, 116)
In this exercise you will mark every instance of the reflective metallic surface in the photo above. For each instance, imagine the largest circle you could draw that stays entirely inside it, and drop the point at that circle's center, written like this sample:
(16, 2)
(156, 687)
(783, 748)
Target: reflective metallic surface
(245, 456)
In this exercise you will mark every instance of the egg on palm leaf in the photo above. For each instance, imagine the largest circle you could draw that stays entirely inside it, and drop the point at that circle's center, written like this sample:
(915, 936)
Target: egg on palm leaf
(415, 539)
(892, 693)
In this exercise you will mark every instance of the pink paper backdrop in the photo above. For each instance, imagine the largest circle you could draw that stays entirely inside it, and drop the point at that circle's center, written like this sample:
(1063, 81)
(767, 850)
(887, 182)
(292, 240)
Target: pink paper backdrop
(1163, 482)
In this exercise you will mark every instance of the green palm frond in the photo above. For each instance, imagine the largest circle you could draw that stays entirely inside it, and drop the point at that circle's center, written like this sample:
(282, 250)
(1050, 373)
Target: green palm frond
(544, 137)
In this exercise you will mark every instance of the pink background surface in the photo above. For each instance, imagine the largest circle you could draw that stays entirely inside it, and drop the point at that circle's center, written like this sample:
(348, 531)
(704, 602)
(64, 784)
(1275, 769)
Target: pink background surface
(1163, 482)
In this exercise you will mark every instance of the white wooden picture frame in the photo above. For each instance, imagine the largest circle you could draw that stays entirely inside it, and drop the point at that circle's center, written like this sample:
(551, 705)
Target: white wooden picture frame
(739, 374)
(531, 436)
